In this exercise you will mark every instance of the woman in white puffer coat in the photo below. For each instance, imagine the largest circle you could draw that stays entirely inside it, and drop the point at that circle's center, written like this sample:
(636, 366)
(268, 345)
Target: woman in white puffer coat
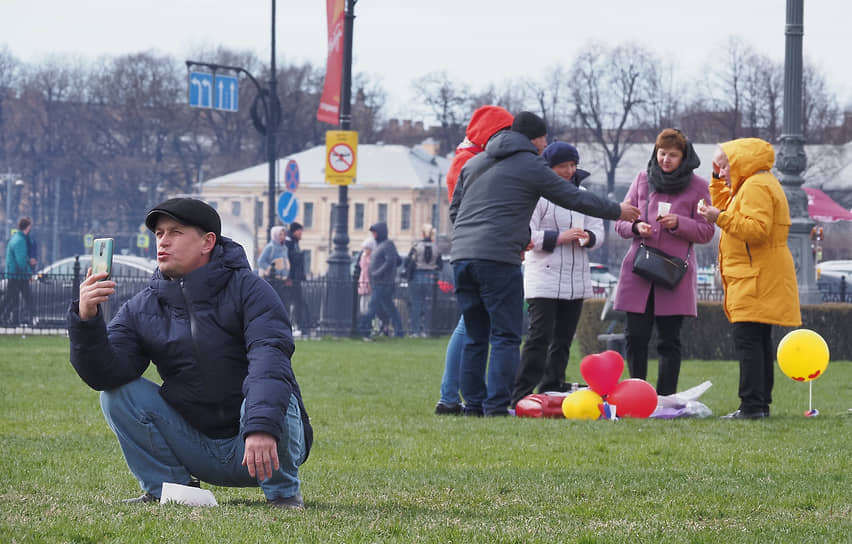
(556, 280)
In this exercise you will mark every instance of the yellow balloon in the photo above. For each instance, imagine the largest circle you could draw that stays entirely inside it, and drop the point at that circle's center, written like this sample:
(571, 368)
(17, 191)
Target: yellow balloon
(803, 355)
(582, 404)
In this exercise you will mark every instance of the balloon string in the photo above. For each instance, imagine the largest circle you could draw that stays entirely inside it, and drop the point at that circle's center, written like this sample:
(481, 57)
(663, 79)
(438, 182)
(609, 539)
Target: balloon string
(810, 395)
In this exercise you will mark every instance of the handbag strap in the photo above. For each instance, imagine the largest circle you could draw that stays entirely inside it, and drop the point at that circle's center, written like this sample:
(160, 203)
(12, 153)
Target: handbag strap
(648, 217)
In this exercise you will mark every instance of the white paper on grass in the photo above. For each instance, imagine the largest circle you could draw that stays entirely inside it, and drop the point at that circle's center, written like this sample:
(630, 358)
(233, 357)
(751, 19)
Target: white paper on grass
(680, 399)
(683, 404)
(184, 494)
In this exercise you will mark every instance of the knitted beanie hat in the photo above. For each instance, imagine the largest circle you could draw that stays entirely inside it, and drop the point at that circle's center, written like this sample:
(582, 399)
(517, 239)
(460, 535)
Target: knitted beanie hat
(559, 152)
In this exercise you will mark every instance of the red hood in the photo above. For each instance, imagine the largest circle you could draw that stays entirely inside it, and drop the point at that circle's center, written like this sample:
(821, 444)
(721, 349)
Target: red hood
(484, 123)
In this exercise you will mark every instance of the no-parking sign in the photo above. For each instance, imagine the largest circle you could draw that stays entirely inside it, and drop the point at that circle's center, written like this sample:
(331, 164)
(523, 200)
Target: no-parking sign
(291, 175)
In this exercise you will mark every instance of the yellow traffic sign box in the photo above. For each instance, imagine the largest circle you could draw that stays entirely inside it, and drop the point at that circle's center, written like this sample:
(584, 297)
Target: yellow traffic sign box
(341, 157)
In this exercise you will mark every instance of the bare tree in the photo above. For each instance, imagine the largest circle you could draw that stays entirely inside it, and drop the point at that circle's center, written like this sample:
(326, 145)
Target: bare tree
(612, 91)
(666, 96)
(370, 99)
(140, 120)
(772, 76)
(447, 100)
(726, 89)
(820, 108)
(9, 73)
(552, 98)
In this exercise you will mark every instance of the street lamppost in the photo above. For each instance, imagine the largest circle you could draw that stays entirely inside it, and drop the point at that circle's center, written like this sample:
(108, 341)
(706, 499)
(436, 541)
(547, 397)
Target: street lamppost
(339, 281)
(272, 116)
(791, 160)
(13, 185)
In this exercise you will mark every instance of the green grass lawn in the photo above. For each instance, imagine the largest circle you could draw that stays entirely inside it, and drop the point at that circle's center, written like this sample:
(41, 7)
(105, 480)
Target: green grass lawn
(385, 469)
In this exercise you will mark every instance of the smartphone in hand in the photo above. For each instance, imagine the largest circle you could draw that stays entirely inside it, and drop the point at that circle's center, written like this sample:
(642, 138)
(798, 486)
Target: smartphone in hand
(102, 256)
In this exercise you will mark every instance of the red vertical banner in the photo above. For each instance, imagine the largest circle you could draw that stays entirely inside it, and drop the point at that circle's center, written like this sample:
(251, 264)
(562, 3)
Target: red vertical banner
(329, 107)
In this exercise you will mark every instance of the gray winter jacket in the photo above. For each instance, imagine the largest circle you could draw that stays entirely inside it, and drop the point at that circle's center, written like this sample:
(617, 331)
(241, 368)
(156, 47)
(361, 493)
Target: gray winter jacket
(385, 259)
(497, 192)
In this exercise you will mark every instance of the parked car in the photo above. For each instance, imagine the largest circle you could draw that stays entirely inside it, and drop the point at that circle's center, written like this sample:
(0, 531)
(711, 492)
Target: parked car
(602, 279)
(832, 278)
(833, 271)
(53, 286)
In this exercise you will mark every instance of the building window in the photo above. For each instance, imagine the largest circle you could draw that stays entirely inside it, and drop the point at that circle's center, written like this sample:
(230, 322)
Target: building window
(235, 208)
(258, 213)
(405, 224)
(308, 215)
(359, 217)
(383, 213)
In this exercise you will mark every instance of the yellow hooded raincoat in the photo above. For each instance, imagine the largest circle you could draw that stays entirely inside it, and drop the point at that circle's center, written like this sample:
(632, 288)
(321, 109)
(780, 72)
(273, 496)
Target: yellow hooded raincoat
(758, 273)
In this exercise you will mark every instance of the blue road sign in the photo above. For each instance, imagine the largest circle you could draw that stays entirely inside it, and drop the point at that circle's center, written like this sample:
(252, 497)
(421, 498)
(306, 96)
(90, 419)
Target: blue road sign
(291, 175)
(227, 93)
(200, 90)
(288, 207)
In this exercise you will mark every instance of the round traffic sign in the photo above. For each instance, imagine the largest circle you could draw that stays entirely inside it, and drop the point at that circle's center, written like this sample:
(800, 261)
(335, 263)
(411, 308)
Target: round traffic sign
(288, 207)
(291, 175)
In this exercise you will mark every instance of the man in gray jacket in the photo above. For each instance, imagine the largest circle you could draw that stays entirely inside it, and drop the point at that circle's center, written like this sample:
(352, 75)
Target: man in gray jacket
(384, 263)
(491, 209)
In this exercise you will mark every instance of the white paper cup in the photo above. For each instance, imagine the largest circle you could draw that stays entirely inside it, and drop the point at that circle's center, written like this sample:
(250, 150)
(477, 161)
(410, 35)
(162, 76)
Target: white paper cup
(663, 208)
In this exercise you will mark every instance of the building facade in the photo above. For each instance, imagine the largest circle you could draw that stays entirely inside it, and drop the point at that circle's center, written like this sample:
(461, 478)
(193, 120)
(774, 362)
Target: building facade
(402, 186)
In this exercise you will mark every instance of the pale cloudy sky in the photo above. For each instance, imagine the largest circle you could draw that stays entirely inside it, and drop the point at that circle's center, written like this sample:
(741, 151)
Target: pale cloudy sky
(477, 42)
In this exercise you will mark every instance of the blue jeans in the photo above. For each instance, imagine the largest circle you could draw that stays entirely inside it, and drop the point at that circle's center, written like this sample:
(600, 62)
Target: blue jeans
(160, 446)
(491, 297)
(452, 364)
(421, 288)
(381, 302)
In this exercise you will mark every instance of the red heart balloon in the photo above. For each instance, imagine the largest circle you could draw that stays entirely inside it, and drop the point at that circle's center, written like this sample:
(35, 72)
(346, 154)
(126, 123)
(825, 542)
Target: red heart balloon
(602, 371)
(633, 398)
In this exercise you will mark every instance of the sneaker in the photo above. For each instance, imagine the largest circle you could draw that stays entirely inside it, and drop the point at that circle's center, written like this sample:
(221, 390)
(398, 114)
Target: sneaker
(739, 414)
(288, 503)
(442, 409)
(144, 498)
(367, 339)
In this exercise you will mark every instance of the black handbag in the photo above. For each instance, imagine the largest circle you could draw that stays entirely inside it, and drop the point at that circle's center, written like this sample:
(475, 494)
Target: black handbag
(656, 265)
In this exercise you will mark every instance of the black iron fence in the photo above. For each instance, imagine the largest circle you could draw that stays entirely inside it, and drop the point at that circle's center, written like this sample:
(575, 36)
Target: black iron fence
(318, 306)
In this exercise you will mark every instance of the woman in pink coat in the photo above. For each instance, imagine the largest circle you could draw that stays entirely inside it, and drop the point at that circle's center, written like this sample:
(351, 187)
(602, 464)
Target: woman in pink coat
(667, 194)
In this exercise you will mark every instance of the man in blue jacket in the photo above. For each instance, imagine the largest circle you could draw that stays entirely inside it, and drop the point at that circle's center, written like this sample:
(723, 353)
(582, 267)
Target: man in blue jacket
(229, 411)
(494, 199)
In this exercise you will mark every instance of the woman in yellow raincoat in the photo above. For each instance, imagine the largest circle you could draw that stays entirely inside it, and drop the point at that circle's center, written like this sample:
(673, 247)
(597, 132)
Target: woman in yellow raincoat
(758, 273)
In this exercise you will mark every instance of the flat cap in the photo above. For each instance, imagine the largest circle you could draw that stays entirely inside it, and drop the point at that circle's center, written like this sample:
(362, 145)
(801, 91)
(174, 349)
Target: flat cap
(187, 211)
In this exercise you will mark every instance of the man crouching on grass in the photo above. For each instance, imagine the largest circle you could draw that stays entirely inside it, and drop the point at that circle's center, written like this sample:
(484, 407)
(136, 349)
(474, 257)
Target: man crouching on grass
(229, 411)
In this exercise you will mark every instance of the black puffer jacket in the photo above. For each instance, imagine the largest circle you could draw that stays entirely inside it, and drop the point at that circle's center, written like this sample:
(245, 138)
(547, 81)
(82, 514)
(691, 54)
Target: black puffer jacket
(219, 335)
